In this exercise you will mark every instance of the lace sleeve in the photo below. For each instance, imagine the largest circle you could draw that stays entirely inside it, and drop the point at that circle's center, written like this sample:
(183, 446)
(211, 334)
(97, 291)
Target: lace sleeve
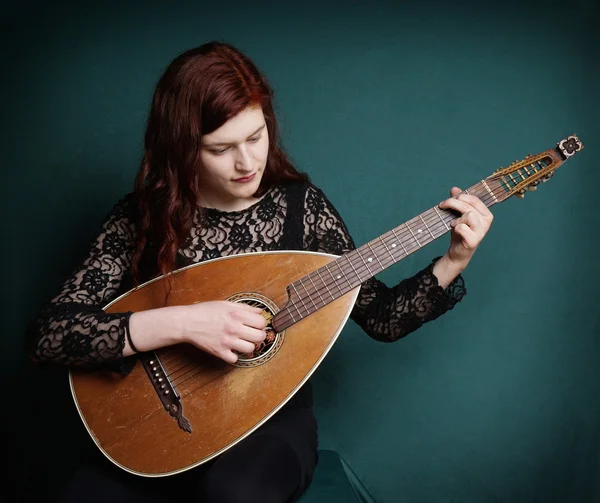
(72, 329)
(385, 314)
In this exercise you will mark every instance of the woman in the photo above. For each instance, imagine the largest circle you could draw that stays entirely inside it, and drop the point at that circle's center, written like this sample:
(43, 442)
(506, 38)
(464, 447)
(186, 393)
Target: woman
(213, 182)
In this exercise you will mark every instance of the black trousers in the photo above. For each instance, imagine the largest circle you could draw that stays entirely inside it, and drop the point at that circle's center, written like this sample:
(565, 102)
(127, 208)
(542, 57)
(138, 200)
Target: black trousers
(274, 464)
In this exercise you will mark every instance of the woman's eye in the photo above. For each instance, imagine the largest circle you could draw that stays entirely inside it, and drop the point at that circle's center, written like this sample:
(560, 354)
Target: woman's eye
(220, 151)
(254, 139)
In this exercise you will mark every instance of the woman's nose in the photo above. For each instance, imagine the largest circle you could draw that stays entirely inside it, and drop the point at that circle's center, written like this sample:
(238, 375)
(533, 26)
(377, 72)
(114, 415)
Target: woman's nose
(243, 161)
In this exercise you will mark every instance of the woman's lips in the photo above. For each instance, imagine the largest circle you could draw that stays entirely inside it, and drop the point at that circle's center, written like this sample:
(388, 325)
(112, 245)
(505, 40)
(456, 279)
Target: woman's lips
(245, 179)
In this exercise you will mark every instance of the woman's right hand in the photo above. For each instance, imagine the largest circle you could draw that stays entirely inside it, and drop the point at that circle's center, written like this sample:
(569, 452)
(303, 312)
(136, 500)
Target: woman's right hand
(221, 328)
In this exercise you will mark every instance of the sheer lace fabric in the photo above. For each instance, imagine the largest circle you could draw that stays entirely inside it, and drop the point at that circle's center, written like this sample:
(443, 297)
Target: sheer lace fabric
(73, 329)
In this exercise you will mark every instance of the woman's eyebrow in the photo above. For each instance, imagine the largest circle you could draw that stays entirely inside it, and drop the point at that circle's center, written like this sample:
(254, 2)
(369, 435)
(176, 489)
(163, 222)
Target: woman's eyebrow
(218, 143)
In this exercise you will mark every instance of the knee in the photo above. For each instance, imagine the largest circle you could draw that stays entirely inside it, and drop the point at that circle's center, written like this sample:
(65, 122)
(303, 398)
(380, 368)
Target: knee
(241, 490)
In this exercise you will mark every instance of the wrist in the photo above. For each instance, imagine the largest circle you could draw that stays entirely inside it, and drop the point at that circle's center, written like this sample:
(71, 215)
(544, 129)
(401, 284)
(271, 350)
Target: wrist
(446, 270)
(453, 265)
(155, 328)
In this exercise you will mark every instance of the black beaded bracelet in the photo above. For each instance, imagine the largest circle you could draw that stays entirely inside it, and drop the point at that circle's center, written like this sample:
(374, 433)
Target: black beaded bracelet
(131, 345)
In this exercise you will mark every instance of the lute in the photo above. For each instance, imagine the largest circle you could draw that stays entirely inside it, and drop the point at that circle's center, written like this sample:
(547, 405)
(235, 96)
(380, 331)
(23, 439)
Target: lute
(181, 407)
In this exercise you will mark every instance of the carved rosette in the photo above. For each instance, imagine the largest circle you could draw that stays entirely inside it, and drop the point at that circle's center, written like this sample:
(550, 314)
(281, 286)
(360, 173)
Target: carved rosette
(264, 351)
(570, 145)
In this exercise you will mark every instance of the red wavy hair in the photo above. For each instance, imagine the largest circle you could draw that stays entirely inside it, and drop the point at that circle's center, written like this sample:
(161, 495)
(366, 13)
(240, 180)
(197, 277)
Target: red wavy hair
(200, 90)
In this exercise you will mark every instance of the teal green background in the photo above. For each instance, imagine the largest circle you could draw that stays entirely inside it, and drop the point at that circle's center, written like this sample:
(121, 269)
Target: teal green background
(386, 106)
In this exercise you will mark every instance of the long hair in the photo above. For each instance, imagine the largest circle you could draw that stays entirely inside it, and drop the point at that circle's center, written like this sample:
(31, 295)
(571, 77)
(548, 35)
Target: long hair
(199, 91)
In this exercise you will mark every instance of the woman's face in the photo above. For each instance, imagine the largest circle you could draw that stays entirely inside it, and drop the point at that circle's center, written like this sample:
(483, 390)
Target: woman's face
(233, 161)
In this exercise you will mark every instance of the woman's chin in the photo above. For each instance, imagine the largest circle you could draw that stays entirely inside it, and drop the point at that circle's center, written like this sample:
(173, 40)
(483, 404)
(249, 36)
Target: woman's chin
(246, 189)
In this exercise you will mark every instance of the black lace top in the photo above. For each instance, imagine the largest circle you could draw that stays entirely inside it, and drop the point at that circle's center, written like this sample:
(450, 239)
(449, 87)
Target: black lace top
(73, 329)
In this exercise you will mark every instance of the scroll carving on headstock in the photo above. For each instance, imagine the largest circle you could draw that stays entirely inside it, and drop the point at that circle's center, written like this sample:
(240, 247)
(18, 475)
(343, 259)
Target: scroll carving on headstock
(569, 146)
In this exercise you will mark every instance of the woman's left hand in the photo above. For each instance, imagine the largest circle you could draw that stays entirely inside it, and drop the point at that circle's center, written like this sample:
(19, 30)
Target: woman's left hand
(469, 229)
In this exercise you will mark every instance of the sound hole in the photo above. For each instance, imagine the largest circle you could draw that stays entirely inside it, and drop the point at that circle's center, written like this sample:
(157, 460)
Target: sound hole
(265, 350)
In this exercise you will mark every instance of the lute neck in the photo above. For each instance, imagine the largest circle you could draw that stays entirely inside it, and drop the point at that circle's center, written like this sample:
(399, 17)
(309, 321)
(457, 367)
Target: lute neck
(328, 283)
(344, 274)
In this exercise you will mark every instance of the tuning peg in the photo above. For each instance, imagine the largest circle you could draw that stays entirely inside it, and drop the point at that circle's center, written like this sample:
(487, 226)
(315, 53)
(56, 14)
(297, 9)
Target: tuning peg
(547, 177)
(521, 194)
(533, 187)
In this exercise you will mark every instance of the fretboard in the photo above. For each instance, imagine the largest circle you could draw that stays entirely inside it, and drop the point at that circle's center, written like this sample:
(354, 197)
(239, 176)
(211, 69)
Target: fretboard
(326, 284)
(344, 274)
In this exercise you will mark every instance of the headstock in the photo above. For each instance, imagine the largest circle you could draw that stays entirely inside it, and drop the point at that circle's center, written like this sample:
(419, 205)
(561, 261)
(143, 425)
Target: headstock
(528, 173)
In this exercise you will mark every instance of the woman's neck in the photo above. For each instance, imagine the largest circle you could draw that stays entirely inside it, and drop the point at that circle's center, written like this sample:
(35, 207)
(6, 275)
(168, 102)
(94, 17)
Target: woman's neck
(231, 205)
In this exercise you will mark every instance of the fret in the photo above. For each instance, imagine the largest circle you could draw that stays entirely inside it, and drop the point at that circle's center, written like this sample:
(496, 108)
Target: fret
(352, 265)
(308, 294)
(290, 313)
(325, 284)
(316, 289)
(334, 279)
(512, 178)
(301, 301)
(399, 241)
(375, 255)
(488, 189)
(440, 215)
(432, 236)
(521, 175)
(388, 250)
(343, 273)
(527, 171)
(297, 310)
(413, 235)
(364, 262)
